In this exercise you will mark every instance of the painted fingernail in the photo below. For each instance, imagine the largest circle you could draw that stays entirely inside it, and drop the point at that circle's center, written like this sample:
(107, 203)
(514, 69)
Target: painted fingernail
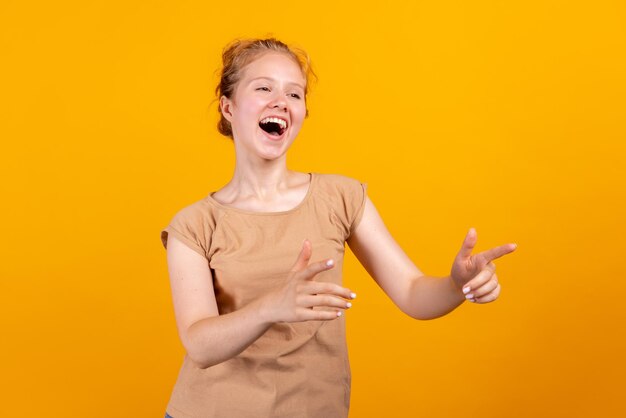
(466, 289)
(339, 313)
(330, 263)
(470, 296)
(353, 295)
(349, 305)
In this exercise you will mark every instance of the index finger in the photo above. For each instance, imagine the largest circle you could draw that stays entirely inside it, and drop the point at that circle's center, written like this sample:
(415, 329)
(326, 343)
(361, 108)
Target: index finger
(498, 252)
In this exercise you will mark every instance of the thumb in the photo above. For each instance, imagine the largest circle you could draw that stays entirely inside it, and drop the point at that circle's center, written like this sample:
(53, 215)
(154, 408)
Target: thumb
(303, 258)
(468, 244)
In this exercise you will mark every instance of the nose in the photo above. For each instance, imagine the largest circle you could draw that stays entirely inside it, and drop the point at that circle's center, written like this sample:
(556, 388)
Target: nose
(280, 103)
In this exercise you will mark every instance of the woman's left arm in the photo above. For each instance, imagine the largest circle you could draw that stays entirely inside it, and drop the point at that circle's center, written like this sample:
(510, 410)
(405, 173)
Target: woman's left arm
(472, 277)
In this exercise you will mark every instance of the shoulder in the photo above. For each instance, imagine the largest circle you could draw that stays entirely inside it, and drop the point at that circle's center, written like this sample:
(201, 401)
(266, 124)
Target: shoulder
(200, 210)
(347, 197)
(194, 225)
(338, 183)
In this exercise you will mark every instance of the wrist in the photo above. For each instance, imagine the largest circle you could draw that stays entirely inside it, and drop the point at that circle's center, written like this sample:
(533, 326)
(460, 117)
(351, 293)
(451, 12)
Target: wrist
(457, 288)
(458, 285)
(262, 310)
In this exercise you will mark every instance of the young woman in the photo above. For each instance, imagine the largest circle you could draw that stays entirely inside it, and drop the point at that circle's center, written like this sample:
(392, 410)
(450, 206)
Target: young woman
(256, 267)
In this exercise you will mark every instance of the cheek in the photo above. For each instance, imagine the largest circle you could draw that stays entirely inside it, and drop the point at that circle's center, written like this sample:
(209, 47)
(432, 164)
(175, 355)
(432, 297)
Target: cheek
(248, 111)
(300, 112)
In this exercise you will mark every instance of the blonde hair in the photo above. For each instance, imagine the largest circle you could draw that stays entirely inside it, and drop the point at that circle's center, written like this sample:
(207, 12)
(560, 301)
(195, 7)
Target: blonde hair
(240, 53)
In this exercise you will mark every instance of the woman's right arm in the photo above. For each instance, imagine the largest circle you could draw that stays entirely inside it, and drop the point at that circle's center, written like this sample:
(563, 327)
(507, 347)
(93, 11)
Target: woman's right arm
(210, 338)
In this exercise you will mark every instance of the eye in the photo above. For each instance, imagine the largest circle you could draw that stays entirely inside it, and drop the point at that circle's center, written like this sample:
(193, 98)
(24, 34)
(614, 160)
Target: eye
(295, 95)
(263, 88)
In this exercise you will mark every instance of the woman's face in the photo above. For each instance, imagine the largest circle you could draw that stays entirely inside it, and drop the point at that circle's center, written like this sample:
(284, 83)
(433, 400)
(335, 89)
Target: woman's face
(268, 105)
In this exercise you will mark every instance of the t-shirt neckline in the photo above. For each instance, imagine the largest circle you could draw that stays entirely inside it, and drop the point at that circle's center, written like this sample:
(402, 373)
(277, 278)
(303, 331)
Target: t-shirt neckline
(309, 192)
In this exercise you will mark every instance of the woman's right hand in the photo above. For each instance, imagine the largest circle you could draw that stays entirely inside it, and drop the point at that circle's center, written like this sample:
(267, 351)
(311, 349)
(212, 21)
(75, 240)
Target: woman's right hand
(298, 298)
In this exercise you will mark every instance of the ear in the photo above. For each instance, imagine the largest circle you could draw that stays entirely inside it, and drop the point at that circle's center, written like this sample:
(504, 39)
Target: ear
(226, 108)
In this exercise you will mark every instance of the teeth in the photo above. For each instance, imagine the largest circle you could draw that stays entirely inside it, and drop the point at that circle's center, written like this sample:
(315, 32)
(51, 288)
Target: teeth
(281, 122)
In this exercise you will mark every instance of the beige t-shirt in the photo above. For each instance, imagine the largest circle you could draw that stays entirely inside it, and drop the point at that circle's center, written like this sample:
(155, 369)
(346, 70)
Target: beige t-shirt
(294, 370)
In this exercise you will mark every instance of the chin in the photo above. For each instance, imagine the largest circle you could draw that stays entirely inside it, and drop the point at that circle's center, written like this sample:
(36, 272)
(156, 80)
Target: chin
(276, 144)
(273, 152)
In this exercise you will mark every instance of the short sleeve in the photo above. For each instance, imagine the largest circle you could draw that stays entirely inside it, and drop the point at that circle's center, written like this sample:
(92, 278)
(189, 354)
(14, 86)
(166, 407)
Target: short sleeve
(350, 205)
(191, 227)
(358, 205)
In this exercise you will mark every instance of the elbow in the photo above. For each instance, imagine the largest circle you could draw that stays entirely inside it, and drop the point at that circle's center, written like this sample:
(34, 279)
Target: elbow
(199, 361)
(201, 365)
(195, 353)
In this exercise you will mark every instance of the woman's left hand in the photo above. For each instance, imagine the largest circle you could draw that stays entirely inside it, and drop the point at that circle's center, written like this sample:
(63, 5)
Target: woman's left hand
(475, 274)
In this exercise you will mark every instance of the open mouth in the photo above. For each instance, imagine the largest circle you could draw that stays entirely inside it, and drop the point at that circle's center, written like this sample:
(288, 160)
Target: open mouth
(273, 126)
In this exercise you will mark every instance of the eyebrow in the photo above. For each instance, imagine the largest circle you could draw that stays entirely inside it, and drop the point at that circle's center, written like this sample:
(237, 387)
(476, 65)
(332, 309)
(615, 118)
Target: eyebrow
(272, 79)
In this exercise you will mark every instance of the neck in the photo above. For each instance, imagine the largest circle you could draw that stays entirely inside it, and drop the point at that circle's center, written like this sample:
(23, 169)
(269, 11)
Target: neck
(260, 178)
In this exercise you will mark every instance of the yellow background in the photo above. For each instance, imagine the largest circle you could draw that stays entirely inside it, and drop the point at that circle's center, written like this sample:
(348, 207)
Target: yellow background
(507, 116)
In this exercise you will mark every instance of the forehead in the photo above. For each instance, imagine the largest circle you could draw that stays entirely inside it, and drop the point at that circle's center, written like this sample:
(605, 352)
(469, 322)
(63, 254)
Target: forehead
(274, 65)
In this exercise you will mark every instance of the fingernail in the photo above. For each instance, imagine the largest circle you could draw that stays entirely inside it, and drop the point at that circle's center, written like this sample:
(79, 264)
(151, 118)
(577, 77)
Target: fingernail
(349, 305)
(470, 296)
(473, 300)
(339, 313)
(353, 295)
(466, 289)
(330, 263)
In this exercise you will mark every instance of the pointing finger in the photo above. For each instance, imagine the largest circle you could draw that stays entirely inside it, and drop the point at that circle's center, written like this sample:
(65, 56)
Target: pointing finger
(498, 252)
(304, 256)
